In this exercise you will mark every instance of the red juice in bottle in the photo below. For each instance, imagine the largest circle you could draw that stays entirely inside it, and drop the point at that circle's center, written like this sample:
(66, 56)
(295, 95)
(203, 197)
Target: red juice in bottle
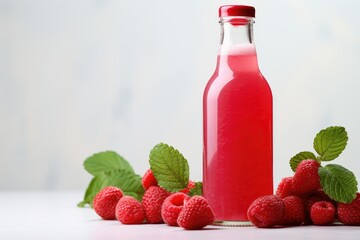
(237, 123)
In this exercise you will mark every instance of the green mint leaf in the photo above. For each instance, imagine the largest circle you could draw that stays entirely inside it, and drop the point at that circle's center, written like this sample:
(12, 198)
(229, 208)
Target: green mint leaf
(338, 183)
(106, 161)
(128, 182)
(330, 142)
(295, 160)
(94, 187)
(197, 190)
(169, 167)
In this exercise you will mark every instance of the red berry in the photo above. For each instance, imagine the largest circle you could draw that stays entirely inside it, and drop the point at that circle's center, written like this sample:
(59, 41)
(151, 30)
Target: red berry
(105, 202)
(149, 180)
(349, 214)
(284, 188)
(317, 196)
(294, 211)
(172, 207)
(191, 185)
(322, 213)
(266, 211)
(196, 214)
(129, 211)
(152, 202)
(306, 178)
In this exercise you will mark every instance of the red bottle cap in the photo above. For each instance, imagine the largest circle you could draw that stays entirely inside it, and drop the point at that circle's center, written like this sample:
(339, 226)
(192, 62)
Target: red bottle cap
(236, 10)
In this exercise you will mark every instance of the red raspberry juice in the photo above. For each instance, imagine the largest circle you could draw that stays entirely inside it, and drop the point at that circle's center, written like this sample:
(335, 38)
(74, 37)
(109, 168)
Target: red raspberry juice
(237, 134)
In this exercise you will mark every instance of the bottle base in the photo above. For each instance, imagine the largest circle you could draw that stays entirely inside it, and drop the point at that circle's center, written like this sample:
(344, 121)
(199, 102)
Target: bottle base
(233, 223)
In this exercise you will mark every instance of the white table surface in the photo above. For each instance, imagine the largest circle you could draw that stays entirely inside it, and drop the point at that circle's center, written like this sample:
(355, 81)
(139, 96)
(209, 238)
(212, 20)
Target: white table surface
(54, 215)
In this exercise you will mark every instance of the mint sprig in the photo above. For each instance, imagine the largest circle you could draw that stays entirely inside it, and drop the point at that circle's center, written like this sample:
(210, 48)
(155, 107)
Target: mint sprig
(110, 169)
(337, 182)
(93, 188)
(106, 161)
(169, 167)
(330, 142)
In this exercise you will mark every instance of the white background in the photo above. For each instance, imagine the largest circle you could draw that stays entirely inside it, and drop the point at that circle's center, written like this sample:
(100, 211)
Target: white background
(79, 77)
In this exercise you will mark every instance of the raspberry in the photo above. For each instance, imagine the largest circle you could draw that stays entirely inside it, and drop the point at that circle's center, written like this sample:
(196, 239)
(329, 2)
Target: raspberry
(191, 185)
(172, 207)
(196, 214)
(317, 196)
(294, 211)
(322, 213)
(349, 214)
(105, 202)
(152, 202)
(129, 211)
(306, 178)
(149, 180)
(284, 188)
(266, 211)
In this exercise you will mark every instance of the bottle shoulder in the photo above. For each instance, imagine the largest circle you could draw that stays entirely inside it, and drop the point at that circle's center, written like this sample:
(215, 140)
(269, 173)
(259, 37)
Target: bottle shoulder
(237, 77)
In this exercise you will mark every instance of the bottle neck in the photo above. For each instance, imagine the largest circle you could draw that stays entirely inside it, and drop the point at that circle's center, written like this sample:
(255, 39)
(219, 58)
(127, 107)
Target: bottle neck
(236, 30)
(237, 48)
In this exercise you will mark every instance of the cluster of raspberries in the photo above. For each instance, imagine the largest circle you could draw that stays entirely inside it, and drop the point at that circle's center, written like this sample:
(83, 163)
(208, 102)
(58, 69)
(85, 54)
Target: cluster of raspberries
(157, 206)
(300, 200)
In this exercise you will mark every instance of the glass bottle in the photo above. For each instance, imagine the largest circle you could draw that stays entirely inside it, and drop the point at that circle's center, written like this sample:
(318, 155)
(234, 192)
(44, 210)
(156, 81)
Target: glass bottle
(237, 123)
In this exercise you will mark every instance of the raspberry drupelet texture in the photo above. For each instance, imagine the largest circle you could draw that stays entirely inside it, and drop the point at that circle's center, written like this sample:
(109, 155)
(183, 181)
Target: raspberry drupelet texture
(105, 202)
(266, 211)
(306, 179)
(294, 211)
(317, 196)
(152, 202)
(349, 214)
(196, 214)
(322, 213)
(284, 188)
(148, 180)
(172, 207)
(129, 211)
